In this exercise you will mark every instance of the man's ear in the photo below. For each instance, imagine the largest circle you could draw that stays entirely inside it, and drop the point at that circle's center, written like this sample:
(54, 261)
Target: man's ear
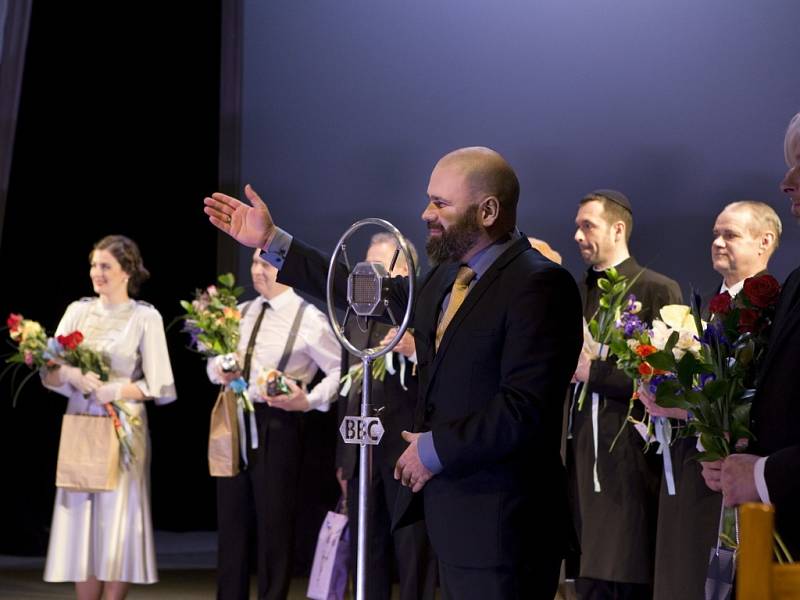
(489, 211)
(767, 242)
(619, 231)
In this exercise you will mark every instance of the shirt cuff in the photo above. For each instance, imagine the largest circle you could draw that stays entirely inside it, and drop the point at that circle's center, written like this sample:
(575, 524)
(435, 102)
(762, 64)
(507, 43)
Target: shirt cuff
(317, 402)
(427, 453)
(761, 482)
(275, 253)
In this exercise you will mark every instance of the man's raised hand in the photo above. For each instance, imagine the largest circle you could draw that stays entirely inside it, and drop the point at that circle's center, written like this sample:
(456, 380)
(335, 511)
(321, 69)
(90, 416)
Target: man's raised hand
(249, 225)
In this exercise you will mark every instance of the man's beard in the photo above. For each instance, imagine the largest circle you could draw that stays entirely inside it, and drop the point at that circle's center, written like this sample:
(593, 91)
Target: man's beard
(455, 241)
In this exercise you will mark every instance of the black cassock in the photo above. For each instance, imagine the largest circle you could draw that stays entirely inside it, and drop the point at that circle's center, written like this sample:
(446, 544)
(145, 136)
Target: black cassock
(618, 523)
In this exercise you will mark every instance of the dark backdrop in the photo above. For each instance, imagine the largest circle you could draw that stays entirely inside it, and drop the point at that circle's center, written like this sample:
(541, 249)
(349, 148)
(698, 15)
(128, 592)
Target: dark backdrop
(681, 104)
(117, 133)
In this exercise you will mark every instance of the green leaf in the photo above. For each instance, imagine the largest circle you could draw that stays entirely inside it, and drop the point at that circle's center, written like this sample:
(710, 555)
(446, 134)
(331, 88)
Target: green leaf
(687, 368)
(715, 389)
(604, 302)
(666, 390)
(663, 361)
(671, 341)
(604, 284)
(678, 401)
(227, 279)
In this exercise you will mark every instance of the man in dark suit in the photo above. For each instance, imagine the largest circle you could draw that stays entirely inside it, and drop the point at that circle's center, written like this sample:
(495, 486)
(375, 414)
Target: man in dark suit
(772, 472)
(394, 398)
(497, 331)
(617, 490)
(745, 235)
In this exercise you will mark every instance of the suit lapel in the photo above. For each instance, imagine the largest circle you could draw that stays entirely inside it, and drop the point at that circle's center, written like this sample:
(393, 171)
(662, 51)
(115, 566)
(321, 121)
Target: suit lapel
(787, 317)
(472, 299)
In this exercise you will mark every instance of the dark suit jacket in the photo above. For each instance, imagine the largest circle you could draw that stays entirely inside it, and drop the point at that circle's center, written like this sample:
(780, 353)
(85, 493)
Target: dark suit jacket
(492, 396)
(775, 416)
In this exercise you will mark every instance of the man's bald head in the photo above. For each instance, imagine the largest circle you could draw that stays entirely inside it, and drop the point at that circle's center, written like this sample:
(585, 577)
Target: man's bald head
(488, 174)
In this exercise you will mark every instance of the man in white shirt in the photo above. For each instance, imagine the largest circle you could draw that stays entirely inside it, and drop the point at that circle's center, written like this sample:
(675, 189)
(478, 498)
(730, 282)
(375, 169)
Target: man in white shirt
(266, 488)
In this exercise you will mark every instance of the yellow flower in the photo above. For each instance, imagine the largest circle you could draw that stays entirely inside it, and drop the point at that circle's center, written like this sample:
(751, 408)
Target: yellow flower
(30, 329)
(231, 313)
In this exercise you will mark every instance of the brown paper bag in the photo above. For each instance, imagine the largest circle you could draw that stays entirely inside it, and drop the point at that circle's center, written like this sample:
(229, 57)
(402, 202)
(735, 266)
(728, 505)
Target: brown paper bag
(88, 454)
(223, 437)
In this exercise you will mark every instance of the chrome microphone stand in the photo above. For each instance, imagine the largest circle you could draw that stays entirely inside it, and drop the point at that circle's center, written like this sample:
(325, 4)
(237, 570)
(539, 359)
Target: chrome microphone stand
(367, 297)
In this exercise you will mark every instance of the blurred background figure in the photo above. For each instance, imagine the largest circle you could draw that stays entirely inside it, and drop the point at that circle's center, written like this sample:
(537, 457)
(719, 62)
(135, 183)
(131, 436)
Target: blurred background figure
(261, 501)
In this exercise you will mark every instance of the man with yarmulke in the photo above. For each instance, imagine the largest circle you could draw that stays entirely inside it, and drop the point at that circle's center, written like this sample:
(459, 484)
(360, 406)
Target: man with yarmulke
(617, 491)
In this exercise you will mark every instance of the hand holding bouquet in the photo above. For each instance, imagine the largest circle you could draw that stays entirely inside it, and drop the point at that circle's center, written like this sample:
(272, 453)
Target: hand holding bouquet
(36, 350)
(212, 322)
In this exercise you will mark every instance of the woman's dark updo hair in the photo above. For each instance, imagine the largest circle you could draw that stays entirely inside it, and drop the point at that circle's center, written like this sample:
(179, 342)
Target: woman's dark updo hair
(125, 250)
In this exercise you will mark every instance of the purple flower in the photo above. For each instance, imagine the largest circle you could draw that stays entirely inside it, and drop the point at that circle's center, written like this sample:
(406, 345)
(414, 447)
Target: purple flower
(706, 378)
(714, 335)
(630, 324)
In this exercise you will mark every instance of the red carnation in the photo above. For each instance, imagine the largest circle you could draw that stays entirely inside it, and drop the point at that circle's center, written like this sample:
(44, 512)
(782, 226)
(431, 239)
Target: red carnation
(720, 304)
(747, 320)
(644, 350)
(13, 321)
(71, 340)
(762, 291)
(645, 370)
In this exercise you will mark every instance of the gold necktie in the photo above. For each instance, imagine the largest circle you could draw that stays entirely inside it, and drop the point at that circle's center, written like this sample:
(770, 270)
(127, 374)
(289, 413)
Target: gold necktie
(457, 295)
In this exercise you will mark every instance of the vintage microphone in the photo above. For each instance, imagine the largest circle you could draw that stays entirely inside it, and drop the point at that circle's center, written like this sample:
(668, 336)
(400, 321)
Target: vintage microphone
(367, 297)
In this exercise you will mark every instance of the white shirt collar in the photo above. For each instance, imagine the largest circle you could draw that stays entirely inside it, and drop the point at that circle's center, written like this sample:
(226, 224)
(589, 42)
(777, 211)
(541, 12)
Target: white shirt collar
(283, 299)
(734, 289)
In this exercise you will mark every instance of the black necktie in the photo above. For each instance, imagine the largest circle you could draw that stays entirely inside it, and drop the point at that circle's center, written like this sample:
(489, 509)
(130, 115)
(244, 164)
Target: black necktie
(251, 343)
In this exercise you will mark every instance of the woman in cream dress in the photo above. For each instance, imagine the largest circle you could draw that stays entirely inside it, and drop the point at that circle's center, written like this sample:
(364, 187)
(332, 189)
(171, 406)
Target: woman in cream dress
(104, 541)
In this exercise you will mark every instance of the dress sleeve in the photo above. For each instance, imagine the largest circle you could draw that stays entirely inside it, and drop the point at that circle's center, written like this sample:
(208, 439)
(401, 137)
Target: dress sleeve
(157, 381)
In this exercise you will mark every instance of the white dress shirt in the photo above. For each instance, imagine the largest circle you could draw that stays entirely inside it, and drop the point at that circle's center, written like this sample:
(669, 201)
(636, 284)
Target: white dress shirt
(315, 347)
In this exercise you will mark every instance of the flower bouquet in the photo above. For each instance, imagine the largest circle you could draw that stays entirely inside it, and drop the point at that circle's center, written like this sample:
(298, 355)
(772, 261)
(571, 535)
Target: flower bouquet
(212, 322)
(36, 350)
(633, 345)
(31, 341)
(716, 385)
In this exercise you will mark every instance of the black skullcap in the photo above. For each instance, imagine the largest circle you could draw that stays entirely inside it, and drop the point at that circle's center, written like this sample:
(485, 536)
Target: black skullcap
(614, 196)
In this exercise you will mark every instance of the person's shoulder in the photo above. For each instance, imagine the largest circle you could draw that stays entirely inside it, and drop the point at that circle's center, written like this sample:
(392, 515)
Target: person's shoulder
(146, 310)
(80, 305)
(658, 280)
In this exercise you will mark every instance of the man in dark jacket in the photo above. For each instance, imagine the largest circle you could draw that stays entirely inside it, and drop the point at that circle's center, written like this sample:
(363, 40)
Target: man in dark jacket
(617, 490)
(497, 332)
(772, 472)
(744, 237)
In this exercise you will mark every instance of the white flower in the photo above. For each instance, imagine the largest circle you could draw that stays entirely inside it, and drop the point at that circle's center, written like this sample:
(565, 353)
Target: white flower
(676, 317)
(592, 348)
